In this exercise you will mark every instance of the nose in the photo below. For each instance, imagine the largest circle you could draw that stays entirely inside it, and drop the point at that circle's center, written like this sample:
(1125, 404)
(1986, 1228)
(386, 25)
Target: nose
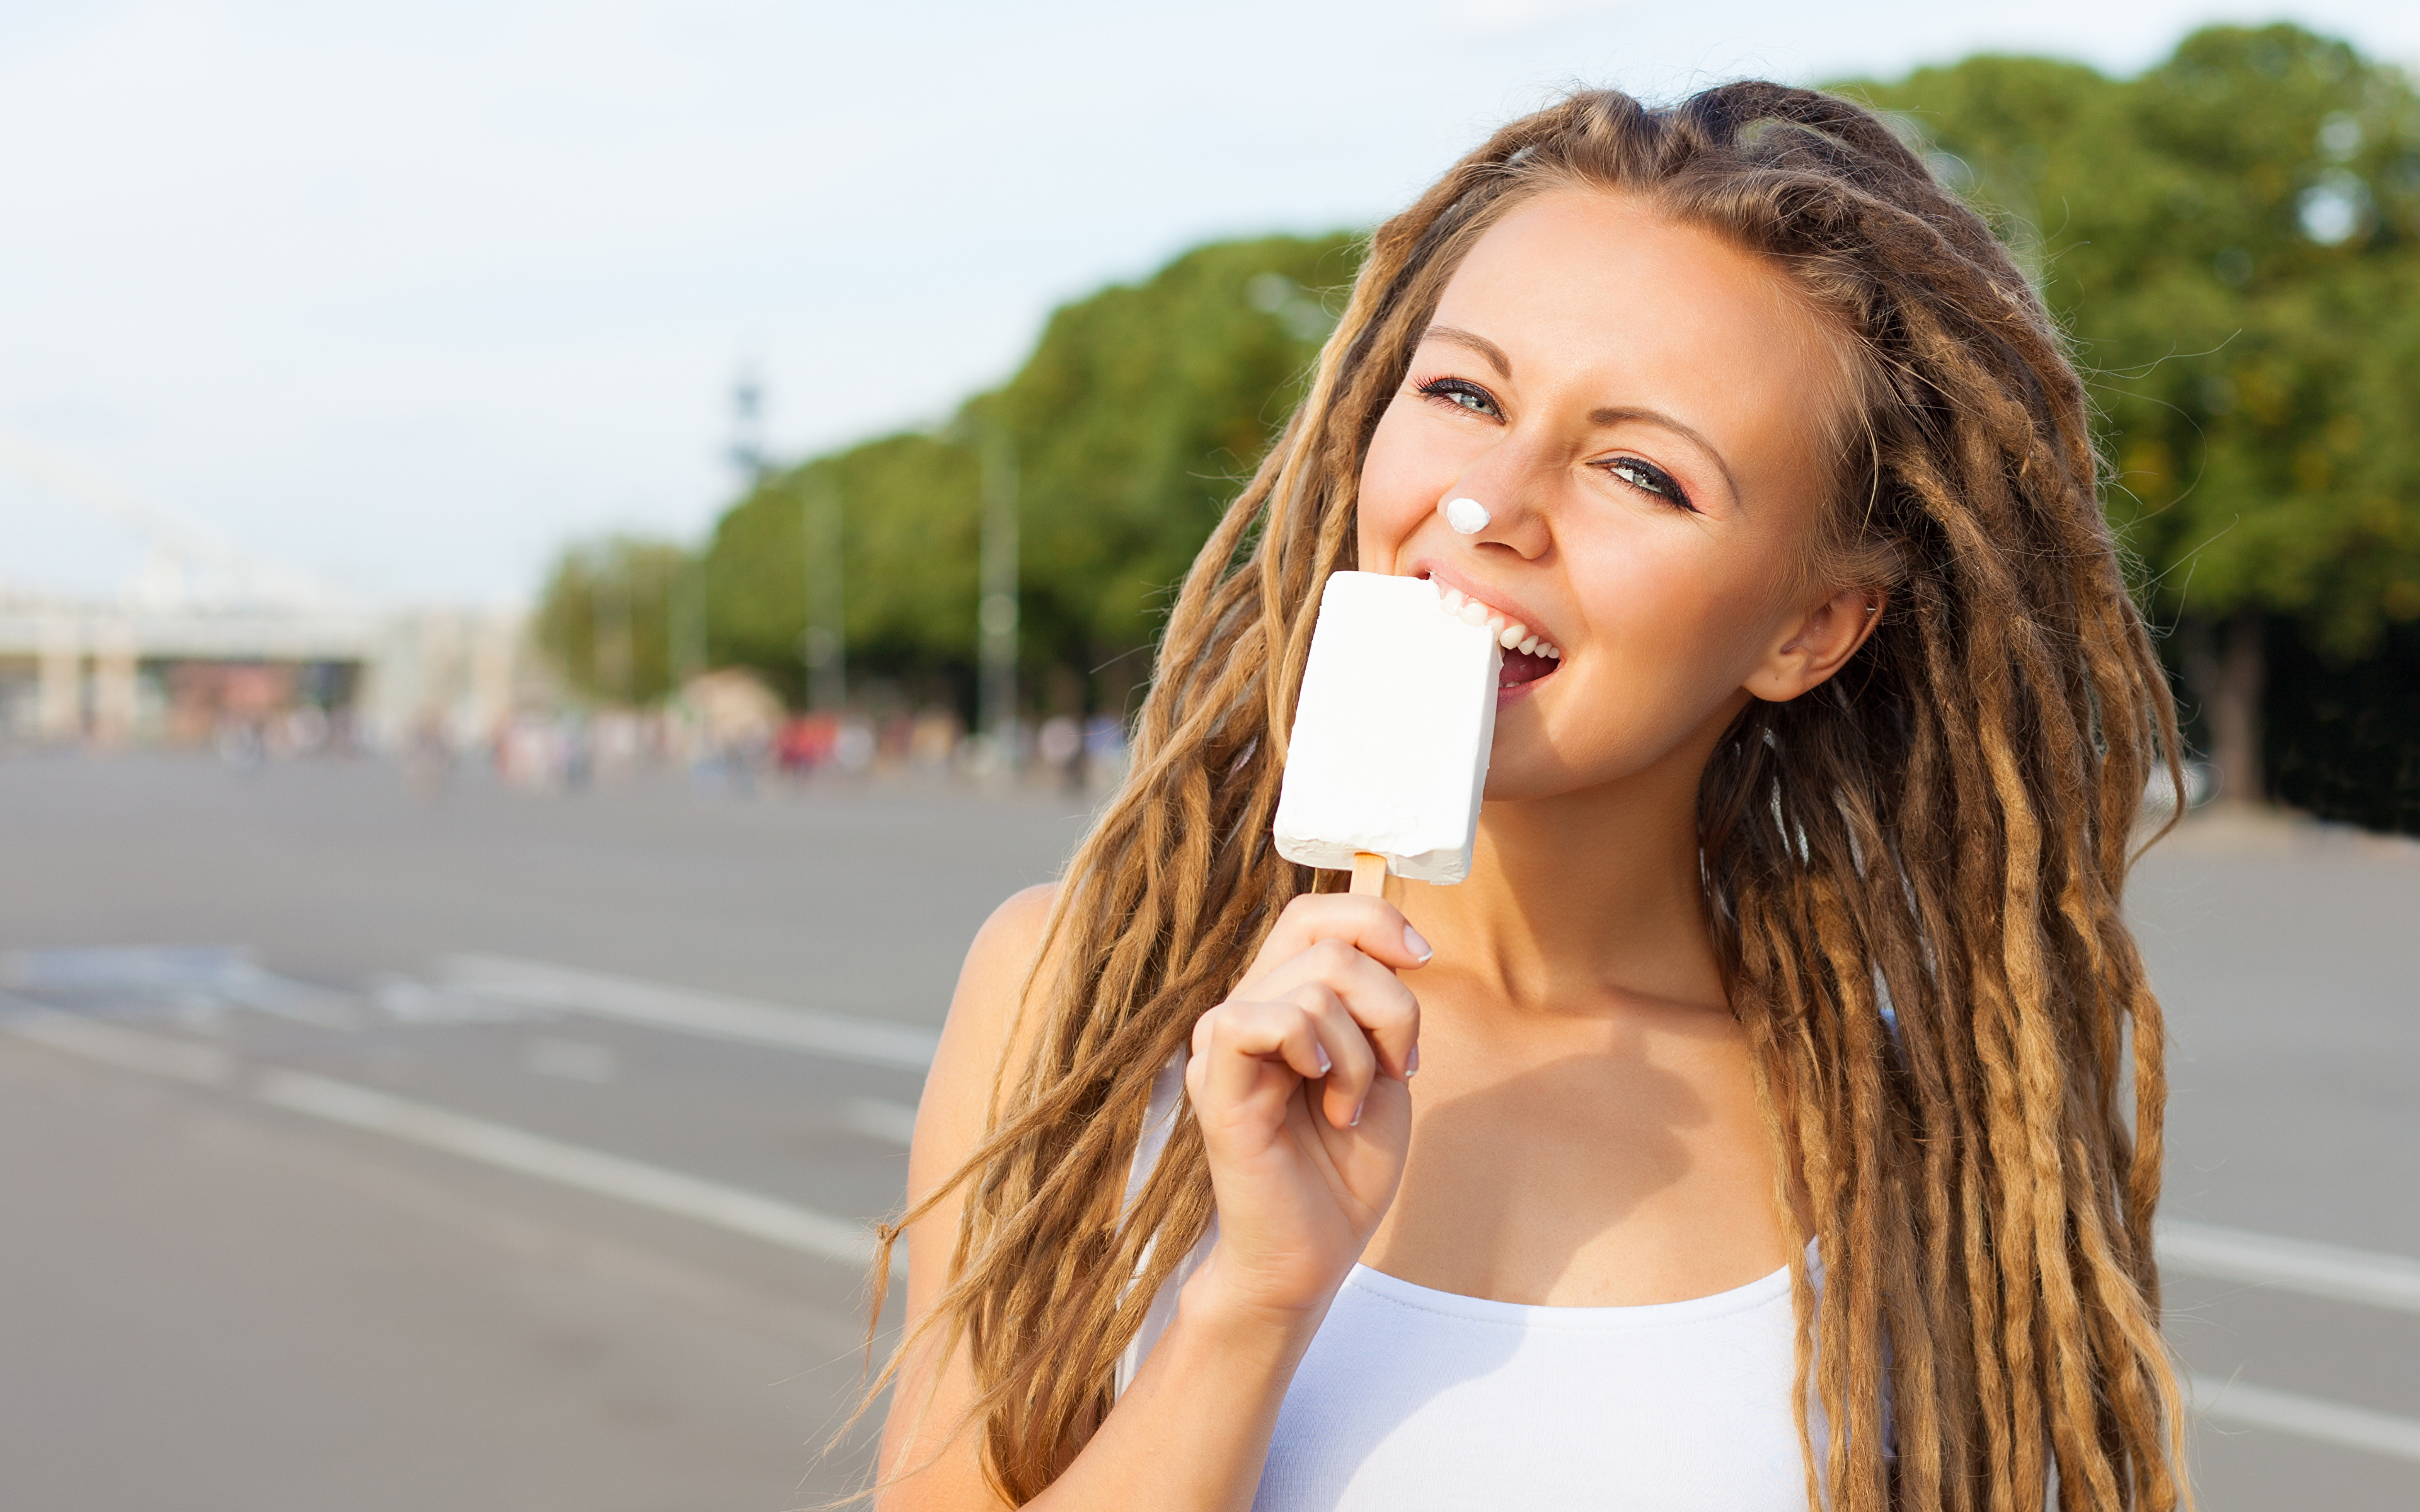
(1496, 504)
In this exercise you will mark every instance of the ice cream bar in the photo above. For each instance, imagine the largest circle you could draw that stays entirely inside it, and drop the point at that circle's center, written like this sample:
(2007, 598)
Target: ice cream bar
(1389, 754)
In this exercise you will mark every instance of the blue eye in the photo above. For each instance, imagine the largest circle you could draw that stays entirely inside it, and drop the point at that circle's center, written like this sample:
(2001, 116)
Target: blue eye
(1459, 393)
(1650, 479)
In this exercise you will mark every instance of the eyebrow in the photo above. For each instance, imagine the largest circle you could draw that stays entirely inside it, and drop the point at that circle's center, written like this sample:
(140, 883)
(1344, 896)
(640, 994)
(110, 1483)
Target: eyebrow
(1603, 418)
(1484, 348)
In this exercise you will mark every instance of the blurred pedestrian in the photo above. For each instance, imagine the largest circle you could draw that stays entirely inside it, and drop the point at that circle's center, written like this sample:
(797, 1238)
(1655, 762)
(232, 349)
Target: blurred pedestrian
(427, 757)
(1060, 743)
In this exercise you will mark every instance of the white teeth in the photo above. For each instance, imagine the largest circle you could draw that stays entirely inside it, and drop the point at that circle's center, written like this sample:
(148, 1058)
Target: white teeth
(1510, 633)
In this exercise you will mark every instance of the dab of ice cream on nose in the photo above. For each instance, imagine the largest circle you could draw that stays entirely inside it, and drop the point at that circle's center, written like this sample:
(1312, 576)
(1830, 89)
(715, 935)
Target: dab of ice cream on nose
(1468, 517)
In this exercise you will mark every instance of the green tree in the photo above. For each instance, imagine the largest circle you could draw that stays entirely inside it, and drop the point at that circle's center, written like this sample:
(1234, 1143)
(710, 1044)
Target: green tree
(2232, 239)
(1140, 416)
(908, 506)
(610, 619)
(1137, 418)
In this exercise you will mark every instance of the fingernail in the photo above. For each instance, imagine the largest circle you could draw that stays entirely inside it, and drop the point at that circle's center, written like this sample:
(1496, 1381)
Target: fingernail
(1325, 1065)
(1357, 1112)
(1412, 1064)
(1419, 947)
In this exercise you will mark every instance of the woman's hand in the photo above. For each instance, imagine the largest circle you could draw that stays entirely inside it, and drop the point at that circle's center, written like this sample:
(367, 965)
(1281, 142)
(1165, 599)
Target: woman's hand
(1298, 1080)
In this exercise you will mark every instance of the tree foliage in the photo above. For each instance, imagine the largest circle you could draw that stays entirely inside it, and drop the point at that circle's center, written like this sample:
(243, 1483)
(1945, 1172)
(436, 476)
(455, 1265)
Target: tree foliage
(608, 621)
(909, 509)
(1137, 417)
(2233, 240)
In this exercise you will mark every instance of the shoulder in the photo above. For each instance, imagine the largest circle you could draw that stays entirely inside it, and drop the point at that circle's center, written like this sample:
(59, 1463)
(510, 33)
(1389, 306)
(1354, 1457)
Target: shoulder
(977, 1037)
(983, 1034)
(1002, 953)
(991, 983)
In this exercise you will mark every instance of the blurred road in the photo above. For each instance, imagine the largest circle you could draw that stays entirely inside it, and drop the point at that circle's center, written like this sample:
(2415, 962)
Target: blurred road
(370, 1151)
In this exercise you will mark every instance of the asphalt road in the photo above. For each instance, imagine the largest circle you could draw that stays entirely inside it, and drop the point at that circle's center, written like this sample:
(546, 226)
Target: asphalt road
(362, 1149)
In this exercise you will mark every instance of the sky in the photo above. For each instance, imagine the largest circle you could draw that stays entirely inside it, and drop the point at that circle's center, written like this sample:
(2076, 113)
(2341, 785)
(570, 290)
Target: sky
(409, 295)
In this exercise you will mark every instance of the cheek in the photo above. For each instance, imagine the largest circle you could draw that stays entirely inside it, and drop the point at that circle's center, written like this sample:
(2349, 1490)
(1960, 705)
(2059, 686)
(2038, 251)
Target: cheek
(1401, 479)
(1686, 612)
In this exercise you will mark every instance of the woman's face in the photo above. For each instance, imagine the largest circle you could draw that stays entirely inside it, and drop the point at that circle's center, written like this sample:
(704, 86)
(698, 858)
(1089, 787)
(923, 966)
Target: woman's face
(1639, 407)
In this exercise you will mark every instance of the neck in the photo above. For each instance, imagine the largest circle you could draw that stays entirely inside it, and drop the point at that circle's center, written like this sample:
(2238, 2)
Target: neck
(1581, 900)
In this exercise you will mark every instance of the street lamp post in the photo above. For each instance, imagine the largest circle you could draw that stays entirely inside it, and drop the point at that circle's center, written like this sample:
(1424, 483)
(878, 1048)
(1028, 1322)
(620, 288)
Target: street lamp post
(609, 635)
(687, 612)
(997, 612)
(823, 646)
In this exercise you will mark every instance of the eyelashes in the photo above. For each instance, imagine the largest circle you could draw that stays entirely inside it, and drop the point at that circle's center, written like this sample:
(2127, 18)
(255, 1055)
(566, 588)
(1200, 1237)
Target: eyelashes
(1636, 473)
(1459, 392)
(1648, 478)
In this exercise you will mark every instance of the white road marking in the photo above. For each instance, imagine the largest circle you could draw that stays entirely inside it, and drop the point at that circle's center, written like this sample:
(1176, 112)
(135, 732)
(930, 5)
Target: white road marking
(154, 968)
(412, 1002)
(2354, 1427)
(895, 1122)
(127, 1049)
(730, 1208)
(201, 974)
(869, 1042)
(2338, 1275)
(614, 1176)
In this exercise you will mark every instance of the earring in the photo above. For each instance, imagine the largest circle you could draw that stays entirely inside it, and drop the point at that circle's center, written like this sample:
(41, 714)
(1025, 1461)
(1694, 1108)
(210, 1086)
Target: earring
(1468, 517)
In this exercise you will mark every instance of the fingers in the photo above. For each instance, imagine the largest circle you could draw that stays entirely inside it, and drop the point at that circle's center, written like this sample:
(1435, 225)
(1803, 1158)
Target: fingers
(1372, 926)
(1314, 1033)
(1289, 1032)
(1236, 1041)
(1322, 1002)
(1368, 992)
(1353, 1062)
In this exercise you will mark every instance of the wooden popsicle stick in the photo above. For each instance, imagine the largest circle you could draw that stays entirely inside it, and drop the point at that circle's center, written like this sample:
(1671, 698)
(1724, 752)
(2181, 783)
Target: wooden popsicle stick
(1370, 874)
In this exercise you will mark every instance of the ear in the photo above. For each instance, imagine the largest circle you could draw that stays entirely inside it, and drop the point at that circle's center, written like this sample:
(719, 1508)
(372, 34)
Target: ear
(1818, 645)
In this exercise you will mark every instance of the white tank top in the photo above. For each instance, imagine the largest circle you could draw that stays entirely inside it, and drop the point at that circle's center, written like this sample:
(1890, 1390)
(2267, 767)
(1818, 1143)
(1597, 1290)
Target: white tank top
(1414, 1399)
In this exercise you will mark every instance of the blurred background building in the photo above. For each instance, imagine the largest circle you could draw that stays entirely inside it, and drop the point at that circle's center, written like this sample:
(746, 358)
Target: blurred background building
(206, 644)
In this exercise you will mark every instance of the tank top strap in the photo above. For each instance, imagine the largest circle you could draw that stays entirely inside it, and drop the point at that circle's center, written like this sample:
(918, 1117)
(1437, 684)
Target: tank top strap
(1158, 1122)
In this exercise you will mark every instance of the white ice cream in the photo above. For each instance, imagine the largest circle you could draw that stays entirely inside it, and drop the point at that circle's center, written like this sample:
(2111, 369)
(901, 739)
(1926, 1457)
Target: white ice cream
(1390, 734)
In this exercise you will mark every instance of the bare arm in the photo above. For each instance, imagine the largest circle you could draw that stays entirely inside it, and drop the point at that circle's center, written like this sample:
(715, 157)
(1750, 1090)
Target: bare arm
(1300, 1084)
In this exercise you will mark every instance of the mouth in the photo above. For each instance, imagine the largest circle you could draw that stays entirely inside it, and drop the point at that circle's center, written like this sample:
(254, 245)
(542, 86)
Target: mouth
(1527, 655)
(1522, 666)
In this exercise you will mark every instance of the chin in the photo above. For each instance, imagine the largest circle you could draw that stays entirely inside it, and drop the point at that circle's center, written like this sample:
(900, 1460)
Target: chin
(1517, 780)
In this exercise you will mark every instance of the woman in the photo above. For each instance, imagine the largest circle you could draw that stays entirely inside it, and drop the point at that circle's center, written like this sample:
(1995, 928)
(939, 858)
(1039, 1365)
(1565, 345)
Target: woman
(1767, 1148)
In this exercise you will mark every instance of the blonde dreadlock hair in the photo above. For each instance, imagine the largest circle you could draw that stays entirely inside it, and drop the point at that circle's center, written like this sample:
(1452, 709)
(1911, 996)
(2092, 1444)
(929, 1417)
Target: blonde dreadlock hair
(1912, 873)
